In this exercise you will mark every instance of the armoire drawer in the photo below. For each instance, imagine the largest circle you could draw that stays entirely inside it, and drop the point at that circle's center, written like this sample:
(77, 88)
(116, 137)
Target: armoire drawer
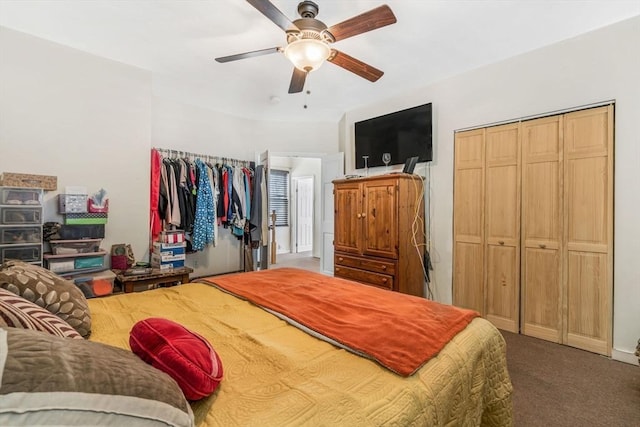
(385, 267)
(368, 277)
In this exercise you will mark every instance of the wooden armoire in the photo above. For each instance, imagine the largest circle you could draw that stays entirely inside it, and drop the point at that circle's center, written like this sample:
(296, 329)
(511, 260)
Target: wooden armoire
(533, 226)
(379, 231)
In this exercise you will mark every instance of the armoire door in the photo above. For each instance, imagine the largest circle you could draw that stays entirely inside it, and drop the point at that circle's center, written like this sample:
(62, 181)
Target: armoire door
(542, 228)
(379, 218)
(348, 217)
(468, 220)
(502, 232)
(588, 175)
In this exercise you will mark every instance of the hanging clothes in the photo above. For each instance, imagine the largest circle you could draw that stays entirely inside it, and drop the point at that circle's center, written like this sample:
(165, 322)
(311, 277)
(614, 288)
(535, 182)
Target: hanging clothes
(259, 207)
(205, 215)
(155, 226)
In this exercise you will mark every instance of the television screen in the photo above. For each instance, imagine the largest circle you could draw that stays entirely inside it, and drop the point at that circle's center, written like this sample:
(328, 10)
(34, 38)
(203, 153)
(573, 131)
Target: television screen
(402, 134)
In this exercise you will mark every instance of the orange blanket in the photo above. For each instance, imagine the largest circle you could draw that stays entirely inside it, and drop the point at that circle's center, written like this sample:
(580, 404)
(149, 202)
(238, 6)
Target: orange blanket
(401, 332)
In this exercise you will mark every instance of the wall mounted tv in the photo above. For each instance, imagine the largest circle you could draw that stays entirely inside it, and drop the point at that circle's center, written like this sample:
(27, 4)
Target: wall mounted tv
(403, 134)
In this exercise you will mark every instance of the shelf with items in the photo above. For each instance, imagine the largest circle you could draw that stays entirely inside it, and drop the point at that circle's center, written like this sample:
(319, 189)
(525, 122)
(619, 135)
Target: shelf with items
(21, 224)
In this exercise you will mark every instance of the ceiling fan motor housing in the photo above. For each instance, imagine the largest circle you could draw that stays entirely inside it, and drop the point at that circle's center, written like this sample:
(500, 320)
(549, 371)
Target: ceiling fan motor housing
(308, 9)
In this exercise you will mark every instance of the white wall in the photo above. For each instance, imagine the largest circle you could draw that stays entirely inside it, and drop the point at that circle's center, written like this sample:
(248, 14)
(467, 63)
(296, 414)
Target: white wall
(81, 118)
(594, 67)
(92, 122)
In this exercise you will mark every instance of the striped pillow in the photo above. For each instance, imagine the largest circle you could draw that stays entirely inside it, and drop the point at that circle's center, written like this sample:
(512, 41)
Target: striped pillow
(17, 312)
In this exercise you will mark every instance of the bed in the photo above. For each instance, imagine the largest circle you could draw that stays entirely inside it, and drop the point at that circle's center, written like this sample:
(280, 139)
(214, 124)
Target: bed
(285, 368)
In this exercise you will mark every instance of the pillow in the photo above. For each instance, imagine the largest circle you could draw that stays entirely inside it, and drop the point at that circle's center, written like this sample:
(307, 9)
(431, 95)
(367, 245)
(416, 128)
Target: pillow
(17, 312)
(48, 290)
(186, 356)
(53, 380)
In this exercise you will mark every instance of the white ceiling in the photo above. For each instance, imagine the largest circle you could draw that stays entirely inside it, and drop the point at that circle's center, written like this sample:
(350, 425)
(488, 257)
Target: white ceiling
(178, 41)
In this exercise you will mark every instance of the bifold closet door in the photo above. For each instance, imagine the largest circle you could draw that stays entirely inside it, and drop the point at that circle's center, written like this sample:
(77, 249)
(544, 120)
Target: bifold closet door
(502, 226)
(588, 204)
(468, 220)
(542, 228)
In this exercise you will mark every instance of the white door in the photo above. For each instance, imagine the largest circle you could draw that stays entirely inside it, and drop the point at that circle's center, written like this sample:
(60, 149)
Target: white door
(304, 213)
(332, 168)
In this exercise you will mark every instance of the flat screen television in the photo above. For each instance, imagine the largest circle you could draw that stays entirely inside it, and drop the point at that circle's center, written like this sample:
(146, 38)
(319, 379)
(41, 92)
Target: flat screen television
(403, 134)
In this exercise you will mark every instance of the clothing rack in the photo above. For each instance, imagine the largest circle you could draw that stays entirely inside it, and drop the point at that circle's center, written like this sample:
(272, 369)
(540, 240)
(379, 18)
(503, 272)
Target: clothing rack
(177, 154)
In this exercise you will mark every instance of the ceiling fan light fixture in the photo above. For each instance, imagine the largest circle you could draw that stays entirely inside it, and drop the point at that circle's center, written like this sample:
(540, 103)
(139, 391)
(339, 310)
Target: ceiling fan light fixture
(307, 54)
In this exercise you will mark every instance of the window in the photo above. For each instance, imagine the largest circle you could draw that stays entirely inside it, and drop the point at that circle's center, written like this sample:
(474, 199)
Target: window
(279, 196)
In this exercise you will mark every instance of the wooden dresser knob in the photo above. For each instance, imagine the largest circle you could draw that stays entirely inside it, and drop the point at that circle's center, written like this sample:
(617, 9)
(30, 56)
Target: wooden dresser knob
(542, 246)
(364, 214)
(384, 280)
(340, 259)
(359, 216)
(384, 267)
(501, 242)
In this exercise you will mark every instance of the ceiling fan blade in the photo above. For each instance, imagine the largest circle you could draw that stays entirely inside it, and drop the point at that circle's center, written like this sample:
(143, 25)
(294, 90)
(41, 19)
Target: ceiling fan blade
(248, 54)
(354, 65)
(297, 80)
(273, 13)
(375, 18)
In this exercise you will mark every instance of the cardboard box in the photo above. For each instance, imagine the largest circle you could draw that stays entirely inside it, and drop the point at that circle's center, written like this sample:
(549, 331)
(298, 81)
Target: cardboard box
(46, 182)
(162, 258)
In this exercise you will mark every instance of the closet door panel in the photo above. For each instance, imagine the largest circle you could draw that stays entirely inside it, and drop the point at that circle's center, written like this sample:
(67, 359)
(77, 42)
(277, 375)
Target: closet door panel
(468, 276)
(469, 205)
(502, 287)
(542, 177)
(502, 205)
(587, 204)
(588, 228)
(468, 221)
(588, 306)
(502, 226)
(541, 294)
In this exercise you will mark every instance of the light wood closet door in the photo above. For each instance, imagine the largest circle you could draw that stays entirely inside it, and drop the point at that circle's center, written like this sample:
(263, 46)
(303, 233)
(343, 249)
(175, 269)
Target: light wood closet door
(468, 221)
(502, 219)
(542, 228)
(588, 143)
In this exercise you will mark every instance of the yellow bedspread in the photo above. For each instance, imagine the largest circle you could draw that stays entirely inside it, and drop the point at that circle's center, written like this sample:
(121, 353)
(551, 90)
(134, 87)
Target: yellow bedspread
(277, 375)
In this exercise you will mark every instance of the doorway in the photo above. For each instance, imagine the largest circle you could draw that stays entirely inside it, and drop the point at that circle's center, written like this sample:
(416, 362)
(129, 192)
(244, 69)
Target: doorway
(302, 214)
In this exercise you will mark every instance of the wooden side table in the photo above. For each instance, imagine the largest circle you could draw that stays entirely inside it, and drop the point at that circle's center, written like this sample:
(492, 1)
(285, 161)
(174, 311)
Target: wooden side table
(156, 277)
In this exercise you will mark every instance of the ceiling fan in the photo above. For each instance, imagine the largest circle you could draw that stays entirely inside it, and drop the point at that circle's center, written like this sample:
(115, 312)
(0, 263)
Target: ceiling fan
(309, 40)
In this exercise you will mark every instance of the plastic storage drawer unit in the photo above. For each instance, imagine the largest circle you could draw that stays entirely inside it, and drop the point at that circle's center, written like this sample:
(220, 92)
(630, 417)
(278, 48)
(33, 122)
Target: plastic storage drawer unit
(72, 247)
(20, 216)
(26, 253)
(20, 235)
(20, 196)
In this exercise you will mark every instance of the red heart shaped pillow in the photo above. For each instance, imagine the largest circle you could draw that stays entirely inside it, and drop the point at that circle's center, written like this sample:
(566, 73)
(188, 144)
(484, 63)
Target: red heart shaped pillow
(184, 355)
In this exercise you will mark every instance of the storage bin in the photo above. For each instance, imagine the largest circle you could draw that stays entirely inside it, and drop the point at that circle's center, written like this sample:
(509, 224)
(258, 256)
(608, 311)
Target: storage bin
(20, 196)
(71, 247)
(45, 182)
(72, 203)
(20, 216)
(169, 265)
(85, 218)
(60, 265)
(168, 250)
(20, 235)
(160, 258)
(81, 231)
(96, 284)
(89, 262)
(26, 253)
